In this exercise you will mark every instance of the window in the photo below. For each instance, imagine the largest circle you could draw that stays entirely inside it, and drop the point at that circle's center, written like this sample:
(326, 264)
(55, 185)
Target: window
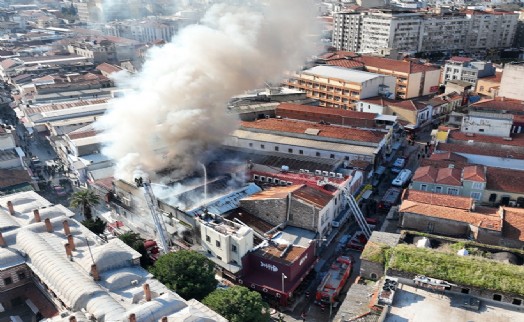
(373, 276)
(208, 239)
(8, 280)
(516, 302)
(438, 189)
(476, 195)
(478, 185)
(464, 291)
(497, 297)
(453, 191)
(317, 154)
(481, 130)
(332, 156)
(217, 243)
(250, 145)
(219, 258)
(424, 187)
(262, 146)
(21, 275)
(276, 148)
(346, 158)
(234, 248)
(300, 151)
(290, 150)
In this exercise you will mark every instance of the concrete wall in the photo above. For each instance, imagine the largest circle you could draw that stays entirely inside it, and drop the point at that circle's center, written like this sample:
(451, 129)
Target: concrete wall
(433, 225)
(486, 126)
(274, 211)
(367, 268)
(7, 141)
(431, 79)
(414, 83)
(303, 215)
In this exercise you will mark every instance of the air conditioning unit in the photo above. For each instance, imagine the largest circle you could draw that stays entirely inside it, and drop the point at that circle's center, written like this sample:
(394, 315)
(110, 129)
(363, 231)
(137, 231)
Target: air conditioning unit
(325, 173)
(301, 170)
(262, 178)
(332, 174)
(340, 175)
(318, 172)
(306, 171)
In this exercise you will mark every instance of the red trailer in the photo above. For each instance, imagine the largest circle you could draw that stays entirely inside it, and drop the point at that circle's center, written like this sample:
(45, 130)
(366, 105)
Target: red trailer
(334, 281)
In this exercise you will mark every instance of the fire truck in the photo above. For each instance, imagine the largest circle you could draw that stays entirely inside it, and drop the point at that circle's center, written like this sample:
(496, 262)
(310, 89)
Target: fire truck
(334, 281)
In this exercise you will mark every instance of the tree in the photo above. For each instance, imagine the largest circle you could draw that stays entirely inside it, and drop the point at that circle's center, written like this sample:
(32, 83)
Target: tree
(98, 226)
(85, 199)
(136, 242)
(188, 273)
(238, 304)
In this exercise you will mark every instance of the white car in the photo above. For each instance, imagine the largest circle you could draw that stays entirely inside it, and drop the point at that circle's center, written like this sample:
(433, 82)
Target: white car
(402, 178)
(399, 163)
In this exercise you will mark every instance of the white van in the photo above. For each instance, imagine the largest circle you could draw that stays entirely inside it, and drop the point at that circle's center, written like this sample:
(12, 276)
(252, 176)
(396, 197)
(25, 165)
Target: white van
(402, 178)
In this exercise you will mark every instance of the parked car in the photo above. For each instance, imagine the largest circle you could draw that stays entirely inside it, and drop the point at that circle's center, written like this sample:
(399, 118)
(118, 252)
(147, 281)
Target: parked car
(59, 190)
(402, 178)
(399, 163)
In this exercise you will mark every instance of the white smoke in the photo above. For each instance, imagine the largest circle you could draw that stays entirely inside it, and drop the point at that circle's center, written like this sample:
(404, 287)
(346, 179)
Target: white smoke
(175, 109)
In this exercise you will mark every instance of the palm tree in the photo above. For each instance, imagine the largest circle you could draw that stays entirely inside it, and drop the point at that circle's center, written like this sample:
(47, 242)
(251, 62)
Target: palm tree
(85, 199)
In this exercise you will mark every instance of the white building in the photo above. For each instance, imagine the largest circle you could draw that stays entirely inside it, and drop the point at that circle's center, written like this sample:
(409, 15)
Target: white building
(493, 124)
(465, 69)
(511, 85)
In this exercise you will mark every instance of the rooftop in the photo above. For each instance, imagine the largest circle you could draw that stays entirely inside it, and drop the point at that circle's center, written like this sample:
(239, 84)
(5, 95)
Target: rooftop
(500, 104)
(437, 199)
(326, 111)
(349, 75)
(446, 176)
(482, 216)
(513, 227)
(477, 150)
(312, 130)
(505, 180)
(515, 140)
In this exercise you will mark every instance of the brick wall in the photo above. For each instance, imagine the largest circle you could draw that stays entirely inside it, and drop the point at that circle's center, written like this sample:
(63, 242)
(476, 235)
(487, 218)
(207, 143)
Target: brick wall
(14, 277)
(274, 211)
(367, 269)
(303, 215)
(434, 225)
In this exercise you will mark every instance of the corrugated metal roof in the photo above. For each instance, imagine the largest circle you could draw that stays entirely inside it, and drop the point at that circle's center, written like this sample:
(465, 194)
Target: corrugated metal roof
(319, 145)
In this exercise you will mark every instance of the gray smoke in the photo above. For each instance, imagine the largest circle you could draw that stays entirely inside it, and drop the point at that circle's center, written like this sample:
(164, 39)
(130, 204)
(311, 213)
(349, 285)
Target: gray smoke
(175, 109)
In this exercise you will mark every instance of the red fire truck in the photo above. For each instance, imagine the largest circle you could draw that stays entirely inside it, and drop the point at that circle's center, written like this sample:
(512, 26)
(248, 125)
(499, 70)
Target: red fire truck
(334, 281)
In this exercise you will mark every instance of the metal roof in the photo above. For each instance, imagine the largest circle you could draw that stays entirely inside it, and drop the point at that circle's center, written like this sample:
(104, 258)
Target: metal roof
(319, 145)
(346, 74)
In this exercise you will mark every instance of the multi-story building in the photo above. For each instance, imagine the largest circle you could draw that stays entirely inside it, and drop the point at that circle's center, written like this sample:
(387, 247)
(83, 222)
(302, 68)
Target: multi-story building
(340, 87)
(346, 30)
(146, 30)
(382, 31)
(465, 69)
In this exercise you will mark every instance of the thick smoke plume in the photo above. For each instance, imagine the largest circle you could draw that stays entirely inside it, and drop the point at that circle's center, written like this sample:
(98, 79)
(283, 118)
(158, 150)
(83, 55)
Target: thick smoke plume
(175, 109)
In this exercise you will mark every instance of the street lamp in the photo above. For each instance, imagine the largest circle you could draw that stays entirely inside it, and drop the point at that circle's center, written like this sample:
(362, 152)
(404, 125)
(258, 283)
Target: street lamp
(283, 277)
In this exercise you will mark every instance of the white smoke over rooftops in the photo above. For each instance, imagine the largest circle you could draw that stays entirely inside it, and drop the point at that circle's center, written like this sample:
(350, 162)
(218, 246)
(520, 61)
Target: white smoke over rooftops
(176, 109)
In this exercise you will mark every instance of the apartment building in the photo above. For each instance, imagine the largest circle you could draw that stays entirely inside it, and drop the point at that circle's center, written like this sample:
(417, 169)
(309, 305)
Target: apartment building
(340, 87)
(511, 83)
(466, 69)
(380, 31)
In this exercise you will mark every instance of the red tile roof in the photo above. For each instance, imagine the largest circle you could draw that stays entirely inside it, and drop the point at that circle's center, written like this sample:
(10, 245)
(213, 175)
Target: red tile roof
(81, 135)
(378, 100)
(447, 156)
(482, 216)
(506, 180)
(474, 173)
(459, 59)
(499, 104)
(438, 199)
(338, 55)
(409, 105)
(330, 131)
(430, 174)
(516, 139)
(476, 150)
(513, 223)
(108, 68)
(12, 177)
(274, 193)
(346, 63)
(325, 110)
(313, 196)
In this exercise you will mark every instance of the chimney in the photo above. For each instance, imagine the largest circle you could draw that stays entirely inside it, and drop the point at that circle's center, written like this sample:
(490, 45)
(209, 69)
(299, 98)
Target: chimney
(48, 225)
(72, 318)
(11, 208)
(67, 231)
(36, 213)
(2, 240)
(132, 317)
(94, 273)
(71, 241)
(68, 250)
(147, 292)
(164, 319)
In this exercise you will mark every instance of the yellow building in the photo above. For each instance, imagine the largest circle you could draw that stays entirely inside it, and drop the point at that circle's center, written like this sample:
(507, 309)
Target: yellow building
(340, 87)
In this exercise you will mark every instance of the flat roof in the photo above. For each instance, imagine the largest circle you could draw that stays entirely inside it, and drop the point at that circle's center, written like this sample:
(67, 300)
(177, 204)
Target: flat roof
(418, 305)
(349, 75)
